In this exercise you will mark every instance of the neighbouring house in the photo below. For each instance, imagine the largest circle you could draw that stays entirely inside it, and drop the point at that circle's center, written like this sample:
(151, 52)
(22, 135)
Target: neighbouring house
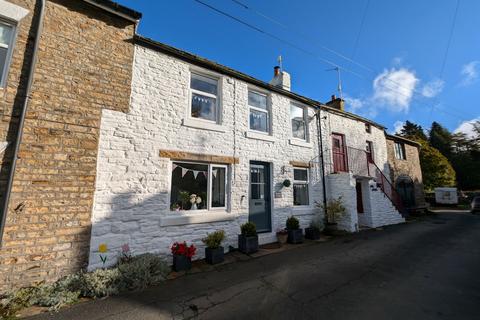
(83, 64)
(130, 141)
(405, 171)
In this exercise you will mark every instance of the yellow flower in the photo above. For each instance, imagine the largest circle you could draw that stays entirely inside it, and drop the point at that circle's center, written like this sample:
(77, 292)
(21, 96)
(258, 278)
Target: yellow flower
(102, 248)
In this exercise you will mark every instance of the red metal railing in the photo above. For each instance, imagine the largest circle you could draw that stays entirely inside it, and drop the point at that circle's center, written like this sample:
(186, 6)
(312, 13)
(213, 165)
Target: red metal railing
(360, 163)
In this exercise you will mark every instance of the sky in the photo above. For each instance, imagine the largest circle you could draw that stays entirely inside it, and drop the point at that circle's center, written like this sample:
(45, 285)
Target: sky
(399, 60)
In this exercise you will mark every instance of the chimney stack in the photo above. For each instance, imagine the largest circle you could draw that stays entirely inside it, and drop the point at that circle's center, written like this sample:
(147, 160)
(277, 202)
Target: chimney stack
(281, 79)
(336, 103)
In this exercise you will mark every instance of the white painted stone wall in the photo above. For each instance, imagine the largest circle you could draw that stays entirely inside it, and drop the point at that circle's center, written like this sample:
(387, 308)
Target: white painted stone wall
(343, 185)
(132, 197)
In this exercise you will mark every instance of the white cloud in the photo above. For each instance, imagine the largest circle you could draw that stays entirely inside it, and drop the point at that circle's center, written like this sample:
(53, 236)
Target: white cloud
(354, 104)
(470, 73)
(397, 127)
(363, 107)
(467, 127)
(433, 88)
(394, 89)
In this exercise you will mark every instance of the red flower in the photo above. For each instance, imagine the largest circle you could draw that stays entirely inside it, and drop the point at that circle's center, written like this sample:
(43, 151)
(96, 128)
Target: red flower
(183, 250)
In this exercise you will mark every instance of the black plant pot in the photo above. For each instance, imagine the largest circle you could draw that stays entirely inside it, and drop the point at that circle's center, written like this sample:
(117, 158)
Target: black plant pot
(312, 233)
(295, 236)
(181, 263)
(330, 228)
(214, 255)
(247, 244)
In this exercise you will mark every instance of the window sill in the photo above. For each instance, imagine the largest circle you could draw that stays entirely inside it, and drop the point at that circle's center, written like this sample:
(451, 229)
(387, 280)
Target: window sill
(205, 125)
(303, 210)
(259, 136)
(183, 218)
(300, 143)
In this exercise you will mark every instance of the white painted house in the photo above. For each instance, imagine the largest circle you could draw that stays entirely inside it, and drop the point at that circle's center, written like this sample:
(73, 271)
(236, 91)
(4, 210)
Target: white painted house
(198, 128)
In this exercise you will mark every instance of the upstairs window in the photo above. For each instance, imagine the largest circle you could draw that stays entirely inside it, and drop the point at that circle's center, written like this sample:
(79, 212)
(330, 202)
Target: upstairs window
(204, 91)
(198, 186)
(368, 128)
(6, 36)
(259, 113)
(400, 151)
(300, 187)
(299, 123)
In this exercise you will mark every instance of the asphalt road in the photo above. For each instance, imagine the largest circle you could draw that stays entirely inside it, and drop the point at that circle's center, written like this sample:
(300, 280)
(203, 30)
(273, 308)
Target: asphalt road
(427, 269)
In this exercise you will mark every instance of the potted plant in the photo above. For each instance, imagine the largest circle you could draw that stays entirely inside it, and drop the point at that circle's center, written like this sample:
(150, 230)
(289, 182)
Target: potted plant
(248, 239)
(214, 251)
(282, 235)
(295, 234)
(313, 231)
(182, 256)
(335, 211)
(287, 183)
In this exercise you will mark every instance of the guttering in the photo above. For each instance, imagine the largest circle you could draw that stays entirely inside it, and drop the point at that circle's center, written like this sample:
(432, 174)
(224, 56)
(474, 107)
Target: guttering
(116, 9)
(18, 137)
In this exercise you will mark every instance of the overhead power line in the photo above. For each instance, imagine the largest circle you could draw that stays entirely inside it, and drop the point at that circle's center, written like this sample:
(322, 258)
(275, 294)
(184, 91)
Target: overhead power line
(329, 62)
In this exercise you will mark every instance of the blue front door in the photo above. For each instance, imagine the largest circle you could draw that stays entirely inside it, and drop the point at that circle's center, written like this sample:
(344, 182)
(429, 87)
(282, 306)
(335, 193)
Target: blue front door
(259, 199)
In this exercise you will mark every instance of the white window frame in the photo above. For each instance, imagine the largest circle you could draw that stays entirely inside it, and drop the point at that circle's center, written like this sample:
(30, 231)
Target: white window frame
(301, 182)
(209, 186)
(400, 153)
(267, 111)
(305, 120)
(213, 79)
(9, 47)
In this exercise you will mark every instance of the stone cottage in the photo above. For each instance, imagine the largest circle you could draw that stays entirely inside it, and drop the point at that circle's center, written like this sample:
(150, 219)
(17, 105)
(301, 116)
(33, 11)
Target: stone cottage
(110, 137)
(83, 52)
(204, 147)
(405, 170)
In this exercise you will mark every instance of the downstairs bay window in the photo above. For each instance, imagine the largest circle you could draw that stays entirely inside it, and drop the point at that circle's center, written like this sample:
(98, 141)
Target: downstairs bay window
(198, 186)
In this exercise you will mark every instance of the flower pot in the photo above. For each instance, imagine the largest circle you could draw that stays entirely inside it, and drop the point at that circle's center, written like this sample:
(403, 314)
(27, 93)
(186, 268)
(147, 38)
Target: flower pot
(282, 237)
(295, 236)
(330, 228)
(247, 244)
(312, 233)
(181, 262)
(214, 255)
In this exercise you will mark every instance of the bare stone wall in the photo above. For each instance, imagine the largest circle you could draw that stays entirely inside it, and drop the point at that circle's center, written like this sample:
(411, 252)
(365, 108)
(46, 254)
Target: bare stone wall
(84, 65)
(409, 167)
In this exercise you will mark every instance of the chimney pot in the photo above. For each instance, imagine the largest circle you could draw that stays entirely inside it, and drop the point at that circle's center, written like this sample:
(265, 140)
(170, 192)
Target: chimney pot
(276, 71)
(333, 97)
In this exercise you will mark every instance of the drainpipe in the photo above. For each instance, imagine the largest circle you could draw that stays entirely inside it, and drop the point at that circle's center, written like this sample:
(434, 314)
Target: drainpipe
(322, 162)
(18, 137)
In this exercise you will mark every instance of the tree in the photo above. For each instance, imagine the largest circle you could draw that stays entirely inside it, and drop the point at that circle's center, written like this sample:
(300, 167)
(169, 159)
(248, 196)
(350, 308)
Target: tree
(441, 139)
(436, 169)
(413, 131)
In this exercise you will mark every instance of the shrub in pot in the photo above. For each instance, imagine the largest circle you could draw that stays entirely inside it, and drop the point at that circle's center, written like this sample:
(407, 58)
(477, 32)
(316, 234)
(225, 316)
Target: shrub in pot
(335, 210)
(282, 236)
(248, 239)
(295, 234)
(313, 231)
(182, 256)
(214, 251)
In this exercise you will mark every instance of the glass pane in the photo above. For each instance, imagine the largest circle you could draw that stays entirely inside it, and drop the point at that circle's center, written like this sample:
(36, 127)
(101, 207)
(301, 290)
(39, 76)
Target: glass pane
(257, 174)
(258, 120)
(218, 187)
(204, 107)
(3, 59)
(258, 191)
(257, 100)
(5, 33)
(189, 186)
(300, 175)
(204, 84)
(298, 122)
(300, 194)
